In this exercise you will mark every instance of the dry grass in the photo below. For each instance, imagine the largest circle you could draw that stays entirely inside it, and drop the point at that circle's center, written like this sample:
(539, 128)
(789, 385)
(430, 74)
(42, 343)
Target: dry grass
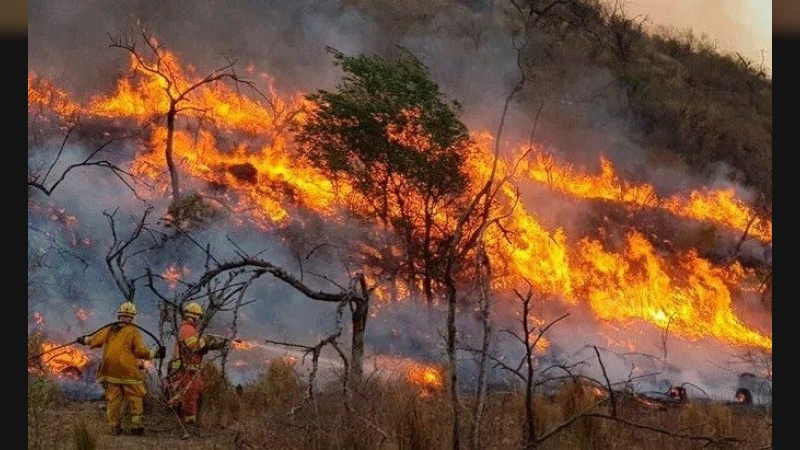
(272, 412)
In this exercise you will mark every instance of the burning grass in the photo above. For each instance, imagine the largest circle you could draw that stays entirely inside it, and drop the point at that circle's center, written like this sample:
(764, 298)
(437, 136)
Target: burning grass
(390, 413)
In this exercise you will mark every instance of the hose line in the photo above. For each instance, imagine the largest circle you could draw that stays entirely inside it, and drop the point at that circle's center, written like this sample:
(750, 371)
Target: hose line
(95, 331)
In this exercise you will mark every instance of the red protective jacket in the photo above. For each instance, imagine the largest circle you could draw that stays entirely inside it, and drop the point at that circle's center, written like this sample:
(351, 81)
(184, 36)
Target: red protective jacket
(189, 347)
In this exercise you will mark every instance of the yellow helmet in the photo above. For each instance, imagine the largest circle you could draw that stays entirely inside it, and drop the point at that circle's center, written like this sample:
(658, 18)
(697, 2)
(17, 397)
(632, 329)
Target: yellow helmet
(127, 309)
(193, 309)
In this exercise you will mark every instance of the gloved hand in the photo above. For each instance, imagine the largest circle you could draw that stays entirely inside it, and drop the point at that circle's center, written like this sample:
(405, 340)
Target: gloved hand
(211, 340)
(161, 353)
(81, 340)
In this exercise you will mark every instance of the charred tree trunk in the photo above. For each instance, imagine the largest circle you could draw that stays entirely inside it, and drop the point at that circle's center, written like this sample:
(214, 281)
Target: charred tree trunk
(360, 315)
(427, 259)
(484, 284)
(450, 288)
(530, 423)
(173, 170)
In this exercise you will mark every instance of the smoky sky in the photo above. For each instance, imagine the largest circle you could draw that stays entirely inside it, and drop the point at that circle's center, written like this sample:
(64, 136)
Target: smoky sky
(286, 39)
(69, 42)
(466, 51)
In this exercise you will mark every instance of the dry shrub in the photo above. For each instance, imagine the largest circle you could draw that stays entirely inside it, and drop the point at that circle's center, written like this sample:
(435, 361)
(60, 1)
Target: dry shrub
(419, 418)
(279, 388)
(421, 410)
(82, 438)
(547, 413)
(222, 403)
(705, 418)
(410, 428)
(414, 421)
(576, 397)
(503, 419)
(35, 339)
(42, 395)
(219, 403)
(189, 212)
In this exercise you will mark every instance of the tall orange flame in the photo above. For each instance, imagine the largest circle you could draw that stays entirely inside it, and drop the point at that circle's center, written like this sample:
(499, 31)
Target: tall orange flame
(716, 206)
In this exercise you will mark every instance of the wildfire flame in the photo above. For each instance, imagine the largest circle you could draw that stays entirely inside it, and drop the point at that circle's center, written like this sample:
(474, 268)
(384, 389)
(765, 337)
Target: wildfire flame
(239, 344)
(250, 157)
(426, 378)
(68, 361)
(716, 206)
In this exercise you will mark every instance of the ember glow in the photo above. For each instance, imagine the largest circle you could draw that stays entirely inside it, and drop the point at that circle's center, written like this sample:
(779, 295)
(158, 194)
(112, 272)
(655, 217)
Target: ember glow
(427, 379)
(173, 274)
(242, 148)
(82, 315)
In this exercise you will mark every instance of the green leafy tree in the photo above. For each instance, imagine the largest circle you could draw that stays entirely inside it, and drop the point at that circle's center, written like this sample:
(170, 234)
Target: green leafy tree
(397, 146)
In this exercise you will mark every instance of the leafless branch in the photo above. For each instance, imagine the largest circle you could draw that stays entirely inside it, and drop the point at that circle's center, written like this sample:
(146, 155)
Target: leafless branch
(163, 70)
(608, 383)
(41, 184)
(707, 439)
(116, 258)
(60, 249)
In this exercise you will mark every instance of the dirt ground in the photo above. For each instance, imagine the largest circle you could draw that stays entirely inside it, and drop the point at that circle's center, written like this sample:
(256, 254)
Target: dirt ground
(162, 431)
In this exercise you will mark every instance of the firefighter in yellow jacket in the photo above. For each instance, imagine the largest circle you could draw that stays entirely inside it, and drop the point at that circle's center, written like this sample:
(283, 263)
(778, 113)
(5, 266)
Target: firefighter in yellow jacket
(119, 373)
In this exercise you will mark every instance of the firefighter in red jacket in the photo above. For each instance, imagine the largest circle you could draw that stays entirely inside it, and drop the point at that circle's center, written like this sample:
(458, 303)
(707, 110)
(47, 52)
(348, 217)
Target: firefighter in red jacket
(185, 368)
(119, 373)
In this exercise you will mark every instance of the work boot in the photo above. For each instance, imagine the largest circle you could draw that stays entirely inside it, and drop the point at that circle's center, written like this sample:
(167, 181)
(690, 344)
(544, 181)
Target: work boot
(192, 427)
(190, 431)
(190, 420)
(116, 430)
(137, 431)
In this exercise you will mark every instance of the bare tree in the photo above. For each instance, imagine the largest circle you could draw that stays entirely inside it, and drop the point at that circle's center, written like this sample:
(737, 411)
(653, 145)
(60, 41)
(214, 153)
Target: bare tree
(224, 282)
(121, 251)
(153, 60)
(483, 279)
(623, 32)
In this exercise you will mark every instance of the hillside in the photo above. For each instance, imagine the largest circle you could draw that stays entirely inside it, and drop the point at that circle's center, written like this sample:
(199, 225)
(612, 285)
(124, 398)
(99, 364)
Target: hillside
(509, 194)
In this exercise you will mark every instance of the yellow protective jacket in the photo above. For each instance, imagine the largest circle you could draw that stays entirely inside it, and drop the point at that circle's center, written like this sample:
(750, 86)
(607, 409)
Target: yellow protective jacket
(122, 344)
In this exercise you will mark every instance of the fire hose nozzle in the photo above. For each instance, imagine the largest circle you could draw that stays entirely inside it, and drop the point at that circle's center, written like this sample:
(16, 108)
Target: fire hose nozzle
(216, 342)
